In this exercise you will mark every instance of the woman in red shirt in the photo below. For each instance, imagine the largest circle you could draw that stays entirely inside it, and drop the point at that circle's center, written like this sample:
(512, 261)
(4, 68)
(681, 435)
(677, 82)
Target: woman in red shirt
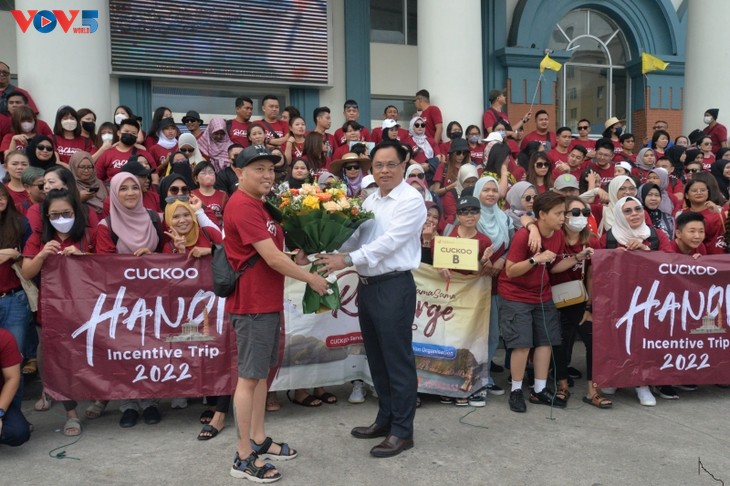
(65, 232)
(15, 163)
(67, 134)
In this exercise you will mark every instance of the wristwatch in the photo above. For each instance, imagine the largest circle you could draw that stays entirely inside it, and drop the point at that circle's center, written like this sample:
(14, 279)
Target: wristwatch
(2, 412)
(348, 259)
(532, 261)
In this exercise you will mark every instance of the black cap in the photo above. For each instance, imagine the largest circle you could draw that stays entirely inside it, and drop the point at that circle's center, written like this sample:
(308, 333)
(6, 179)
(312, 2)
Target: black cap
(135, 168)
(458, 145)
(713, 112)
(468, 202)
(192, 115)
(166, 122)
(254, 153)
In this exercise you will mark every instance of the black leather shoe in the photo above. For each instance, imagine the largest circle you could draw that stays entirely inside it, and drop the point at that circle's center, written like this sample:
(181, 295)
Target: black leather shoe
(391, 446)
(129, 418)
(546, 397)
(372, 432)
(151, 415)
(517, 401)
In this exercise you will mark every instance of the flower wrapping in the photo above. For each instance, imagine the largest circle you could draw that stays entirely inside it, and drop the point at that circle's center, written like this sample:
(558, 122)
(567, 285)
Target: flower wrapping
(320, 221)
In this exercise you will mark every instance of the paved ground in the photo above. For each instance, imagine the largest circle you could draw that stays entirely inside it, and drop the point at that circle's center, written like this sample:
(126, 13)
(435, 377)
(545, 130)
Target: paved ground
(628, 445)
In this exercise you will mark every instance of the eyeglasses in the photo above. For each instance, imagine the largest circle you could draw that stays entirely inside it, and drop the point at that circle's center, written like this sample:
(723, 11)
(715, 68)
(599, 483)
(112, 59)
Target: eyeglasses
(3, 197)
(528, 198)
(575, 212)
(4, 73)
(352, 167)
(187, 150)
(542, 165)
(706, 143)
(419, 125)
(40, 186)
(175, 190)
(44, 148)
(467, 212)
(206, 172)
(86, 167)
(635, 209)
(584, 128)
(692, 171)
(420, 175)
(66, 214)
(390, 166)
(699, 190)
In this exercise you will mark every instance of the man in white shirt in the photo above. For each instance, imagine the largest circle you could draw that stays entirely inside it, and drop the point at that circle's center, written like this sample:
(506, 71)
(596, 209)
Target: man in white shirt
(389, 248)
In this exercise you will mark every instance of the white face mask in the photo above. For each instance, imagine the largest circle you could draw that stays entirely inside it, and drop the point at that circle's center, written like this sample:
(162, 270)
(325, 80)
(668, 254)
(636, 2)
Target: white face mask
(69, 125)
(107, 137)
(369, 190)
(27, 126)
(119, 118)
(63, 225)
(577, 223)
(707, 119)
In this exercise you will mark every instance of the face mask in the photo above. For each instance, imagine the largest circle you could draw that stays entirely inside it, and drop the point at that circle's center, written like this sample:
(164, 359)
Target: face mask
(577, 223)
(619, 131)
(707, 120)
(172, 199)
(128, 139)
(119, 118)
(107, 137)
(27, 126)
(69, 125)
(369, 190)
(474, 138)
(454, 135)
(63, 225)
(88, 126)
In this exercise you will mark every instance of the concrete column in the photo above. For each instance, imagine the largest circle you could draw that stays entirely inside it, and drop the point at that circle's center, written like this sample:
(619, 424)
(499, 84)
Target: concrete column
(450, 68)
(708, 46)
(66, 68)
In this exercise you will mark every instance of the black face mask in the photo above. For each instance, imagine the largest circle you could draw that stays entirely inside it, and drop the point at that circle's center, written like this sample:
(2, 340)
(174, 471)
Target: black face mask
(88, 126)
(619, 131)
(128, 139)
(454, 135)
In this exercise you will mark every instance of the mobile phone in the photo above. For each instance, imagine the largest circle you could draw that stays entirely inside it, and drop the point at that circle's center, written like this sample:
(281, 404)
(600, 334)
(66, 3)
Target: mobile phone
(93, 189)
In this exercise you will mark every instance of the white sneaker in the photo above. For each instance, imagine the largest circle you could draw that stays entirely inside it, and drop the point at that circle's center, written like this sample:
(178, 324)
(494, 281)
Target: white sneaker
(645, 396)
(608, 391)
(358, 392)
(179, 403)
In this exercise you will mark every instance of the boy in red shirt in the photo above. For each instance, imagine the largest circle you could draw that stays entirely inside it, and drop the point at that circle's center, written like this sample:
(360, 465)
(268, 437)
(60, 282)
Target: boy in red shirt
(689, 235)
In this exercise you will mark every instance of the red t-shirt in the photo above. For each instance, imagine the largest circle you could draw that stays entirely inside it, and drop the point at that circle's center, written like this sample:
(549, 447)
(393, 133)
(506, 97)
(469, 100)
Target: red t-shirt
(31, 103)
(554, 156)
(160, 153)
(260, 289)
(432, 116)
(606, 174)
(203, 241)
(574, 172)
(707, 161)
(490, 118)
(214, 205)
(239, 132)
(340, 137)
(41, 128)
(8, 278)
(19, 197)
(589, 144)
(484, 243)
(718, 134)
(110, 163)
(624, 157)
(476, 153)
(280, 128)
(67, 147)
(527, 288)
(9, 353)
(539, 137)
(700, 249)
(576, 272)
(377, 135)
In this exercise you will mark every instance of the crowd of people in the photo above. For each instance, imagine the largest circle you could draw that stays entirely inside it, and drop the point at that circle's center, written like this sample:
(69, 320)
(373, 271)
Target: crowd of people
(539, 203)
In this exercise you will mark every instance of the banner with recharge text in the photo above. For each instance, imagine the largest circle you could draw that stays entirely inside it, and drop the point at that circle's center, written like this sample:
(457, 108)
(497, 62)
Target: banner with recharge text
(450, 331)
(660, 319)
(120, 326)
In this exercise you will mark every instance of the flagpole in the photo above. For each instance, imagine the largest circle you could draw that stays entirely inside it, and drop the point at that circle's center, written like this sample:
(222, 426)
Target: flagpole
(537, 87)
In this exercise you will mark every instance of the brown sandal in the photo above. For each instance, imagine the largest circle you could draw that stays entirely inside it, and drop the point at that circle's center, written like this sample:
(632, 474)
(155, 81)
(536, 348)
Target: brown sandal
(598, 401)
(563, 394)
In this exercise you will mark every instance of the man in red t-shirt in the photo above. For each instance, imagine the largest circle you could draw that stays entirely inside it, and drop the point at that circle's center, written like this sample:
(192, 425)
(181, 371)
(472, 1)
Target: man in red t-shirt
(559, 153)
(431, 114)
(192, 122)
(690, 235)
(111, 162)
(716, 131)
(323, 122)
(575, 164)
(5, 89)
(603, 164)
(527, 315)
(14, 428)
(493, 114)
(256, 304)
(390, 113)
(584, 129)
(352, 113)
(238, 127)
(541, 134)
(277, 131)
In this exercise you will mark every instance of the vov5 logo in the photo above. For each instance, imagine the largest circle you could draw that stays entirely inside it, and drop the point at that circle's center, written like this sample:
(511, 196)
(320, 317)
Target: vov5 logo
(45, 21)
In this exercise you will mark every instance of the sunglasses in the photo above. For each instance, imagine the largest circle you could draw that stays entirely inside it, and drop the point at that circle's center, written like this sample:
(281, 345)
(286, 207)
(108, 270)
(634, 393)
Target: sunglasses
(583, 128)
(528, 198)
(542, 165)
(575, 212)
(44, 148)
(40, 186)
(187, 150)
(420, 175)
(352, 167)
(467, 212)
(419, 125)
(175, 190)
(460, 152)
(692, 171)
(635, 209)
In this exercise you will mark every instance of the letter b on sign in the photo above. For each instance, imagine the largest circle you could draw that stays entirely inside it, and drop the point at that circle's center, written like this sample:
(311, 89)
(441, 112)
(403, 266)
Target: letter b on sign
(455, 259)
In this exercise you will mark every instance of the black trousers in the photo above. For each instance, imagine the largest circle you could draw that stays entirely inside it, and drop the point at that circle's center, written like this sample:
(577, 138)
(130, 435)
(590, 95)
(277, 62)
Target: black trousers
(386, 311)
(569, 319)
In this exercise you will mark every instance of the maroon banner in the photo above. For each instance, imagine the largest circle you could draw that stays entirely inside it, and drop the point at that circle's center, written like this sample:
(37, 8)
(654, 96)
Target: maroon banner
(660, 319)
(119, 326)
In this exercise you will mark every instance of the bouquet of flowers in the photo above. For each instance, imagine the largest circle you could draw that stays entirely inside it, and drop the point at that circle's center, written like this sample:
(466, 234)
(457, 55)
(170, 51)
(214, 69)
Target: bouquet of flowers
(319, 221)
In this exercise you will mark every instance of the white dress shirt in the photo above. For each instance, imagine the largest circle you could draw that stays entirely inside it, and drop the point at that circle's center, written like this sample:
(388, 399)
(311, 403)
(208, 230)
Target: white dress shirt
(392, 241)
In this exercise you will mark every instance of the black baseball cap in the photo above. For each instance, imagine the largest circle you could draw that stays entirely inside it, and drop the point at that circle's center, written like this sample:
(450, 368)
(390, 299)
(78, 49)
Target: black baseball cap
(468, 202)
(254, 153)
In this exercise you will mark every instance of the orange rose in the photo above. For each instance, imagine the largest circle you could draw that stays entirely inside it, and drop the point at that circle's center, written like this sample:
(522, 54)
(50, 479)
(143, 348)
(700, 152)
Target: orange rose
(324, 196)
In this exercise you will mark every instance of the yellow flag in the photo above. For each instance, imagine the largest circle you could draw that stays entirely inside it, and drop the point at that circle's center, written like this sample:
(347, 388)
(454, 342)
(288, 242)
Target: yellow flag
(550, 64)
(651, 63)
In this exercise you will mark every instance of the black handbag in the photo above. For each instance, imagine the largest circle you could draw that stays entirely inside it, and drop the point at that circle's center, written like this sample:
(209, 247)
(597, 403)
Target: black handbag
(224, 276)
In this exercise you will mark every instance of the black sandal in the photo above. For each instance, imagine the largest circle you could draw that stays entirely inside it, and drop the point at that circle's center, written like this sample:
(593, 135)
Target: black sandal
(207, 432)
(247, 469)
(206, 417)
(307, 402)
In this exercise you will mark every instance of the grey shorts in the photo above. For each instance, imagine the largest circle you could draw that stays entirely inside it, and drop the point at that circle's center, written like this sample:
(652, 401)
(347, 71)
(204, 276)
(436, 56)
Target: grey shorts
(529, 325)
(257, 337)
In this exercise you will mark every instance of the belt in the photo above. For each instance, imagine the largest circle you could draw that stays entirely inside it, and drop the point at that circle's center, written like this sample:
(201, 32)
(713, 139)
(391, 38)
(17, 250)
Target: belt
(10, 292)
(379, 278)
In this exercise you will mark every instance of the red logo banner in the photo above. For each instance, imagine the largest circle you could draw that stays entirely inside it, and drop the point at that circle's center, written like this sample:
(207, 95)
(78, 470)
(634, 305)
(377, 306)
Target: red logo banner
(660, 319)
(118, 327)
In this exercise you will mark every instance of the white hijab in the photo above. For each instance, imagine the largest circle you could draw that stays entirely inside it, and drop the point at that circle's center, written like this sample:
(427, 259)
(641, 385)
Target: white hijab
(420, 140)
(621, 229)
(607, 221)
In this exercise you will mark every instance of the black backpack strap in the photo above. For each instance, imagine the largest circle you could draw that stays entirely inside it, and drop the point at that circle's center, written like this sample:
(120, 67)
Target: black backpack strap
(157, 223)
(229, 124)
(611, 242)
(653, 239)
(113, 235)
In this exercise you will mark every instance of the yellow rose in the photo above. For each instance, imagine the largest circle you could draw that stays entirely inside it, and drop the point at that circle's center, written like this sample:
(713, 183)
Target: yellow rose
(311, 202)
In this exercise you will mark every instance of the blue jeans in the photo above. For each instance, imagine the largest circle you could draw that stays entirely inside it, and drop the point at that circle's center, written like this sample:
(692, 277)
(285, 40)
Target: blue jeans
(15, 316)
